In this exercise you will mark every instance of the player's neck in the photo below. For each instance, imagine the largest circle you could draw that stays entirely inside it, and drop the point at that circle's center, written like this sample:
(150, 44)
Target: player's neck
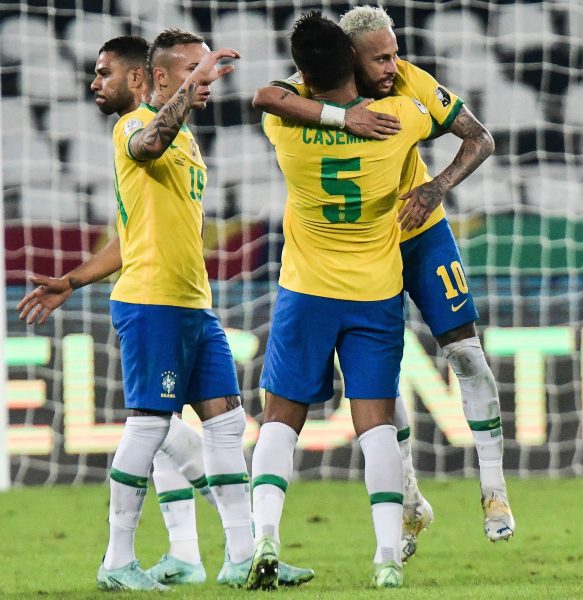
(345, 94)
(141, 95)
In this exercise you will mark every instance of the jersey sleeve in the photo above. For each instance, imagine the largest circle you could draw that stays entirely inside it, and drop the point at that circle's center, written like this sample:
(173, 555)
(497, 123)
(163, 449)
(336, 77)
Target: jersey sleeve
(443, 105)
(123, 132)
(294, 84)
(420, 124)
(271, 127)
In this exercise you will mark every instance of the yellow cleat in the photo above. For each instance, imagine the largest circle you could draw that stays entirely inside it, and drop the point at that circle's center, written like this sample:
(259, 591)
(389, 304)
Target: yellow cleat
(498, 520)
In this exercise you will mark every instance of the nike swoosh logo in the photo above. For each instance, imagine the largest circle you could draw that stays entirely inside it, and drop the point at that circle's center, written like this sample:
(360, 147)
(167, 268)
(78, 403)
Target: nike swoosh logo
(171, 575)
(456, 308)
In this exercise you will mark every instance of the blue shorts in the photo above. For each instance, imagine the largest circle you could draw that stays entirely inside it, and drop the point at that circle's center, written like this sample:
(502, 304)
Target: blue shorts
(172, 356)
(305, 331)
(433, 275)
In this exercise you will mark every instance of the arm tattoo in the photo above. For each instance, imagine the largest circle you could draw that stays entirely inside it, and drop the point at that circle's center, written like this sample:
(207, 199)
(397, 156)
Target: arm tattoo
(285, 95)
(232, 402)
(476, 146)
(154, 139)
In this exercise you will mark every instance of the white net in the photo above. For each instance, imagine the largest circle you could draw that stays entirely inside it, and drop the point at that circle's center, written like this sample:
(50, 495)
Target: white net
(518, 220)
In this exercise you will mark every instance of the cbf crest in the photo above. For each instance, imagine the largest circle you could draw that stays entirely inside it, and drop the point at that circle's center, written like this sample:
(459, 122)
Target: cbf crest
(168, 384)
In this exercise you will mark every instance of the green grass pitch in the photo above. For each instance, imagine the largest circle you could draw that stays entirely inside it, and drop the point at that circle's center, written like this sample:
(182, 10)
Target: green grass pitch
(52, 540)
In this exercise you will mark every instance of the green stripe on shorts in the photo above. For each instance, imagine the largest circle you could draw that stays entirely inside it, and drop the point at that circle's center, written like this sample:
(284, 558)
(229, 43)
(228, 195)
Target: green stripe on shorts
(176, 495)
(228, 479)
(127, 479)
(379, 497)
(275, 480)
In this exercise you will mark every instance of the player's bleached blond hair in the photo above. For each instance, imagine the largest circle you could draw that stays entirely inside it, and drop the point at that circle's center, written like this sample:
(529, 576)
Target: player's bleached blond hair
(365, 19)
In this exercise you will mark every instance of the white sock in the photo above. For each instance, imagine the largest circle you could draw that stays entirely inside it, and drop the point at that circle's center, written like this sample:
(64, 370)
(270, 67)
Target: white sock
(383, 476)
(481, 408)
(228, 479)
(141, 438)
(411, 488)
(184, 444)
(176, 498)
(272, 469)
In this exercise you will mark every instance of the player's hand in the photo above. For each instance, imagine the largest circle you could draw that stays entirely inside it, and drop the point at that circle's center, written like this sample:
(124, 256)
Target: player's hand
(207, 70)
(369, 124)
(51, 292)
(421, 202)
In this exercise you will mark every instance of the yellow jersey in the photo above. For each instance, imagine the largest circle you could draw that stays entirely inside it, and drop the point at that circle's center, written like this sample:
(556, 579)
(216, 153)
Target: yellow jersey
(159, 219)
(443, 106)
(340, 227)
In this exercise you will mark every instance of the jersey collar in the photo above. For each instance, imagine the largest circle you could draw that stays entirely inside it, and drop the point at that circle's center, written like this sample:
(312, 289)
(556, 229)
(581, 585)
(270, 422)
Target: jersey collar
(349, 105)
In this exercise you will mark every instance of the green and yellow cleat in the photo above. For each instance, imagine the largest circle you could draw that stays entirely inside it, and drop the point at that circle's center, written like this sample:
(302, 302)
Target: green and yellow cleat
(387, 575)
(170, 570)
(498, 519)
(130, 577)
(264, 571)
(416, 518)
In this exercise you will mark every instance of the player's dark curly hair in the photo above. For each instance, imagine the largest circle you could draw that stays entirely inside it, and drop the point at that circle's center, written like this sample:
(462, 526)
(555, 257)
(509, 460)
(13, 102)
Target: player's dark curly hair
(168, 39)
(129, 47)
(321, 51)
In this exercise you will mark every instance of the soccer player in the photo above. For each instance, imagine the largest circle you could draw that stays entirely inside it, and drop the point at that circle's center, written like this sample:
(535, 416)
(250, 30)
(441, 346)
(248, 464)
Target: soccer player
(340, 290)
(121, 82)
(432, 268)
(173, 348)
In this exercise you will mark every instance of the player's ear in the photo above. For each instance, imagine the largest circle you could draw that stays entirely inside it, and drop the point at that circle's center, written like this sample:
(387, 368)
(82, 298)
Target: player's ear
(137, 76)
(159, 77)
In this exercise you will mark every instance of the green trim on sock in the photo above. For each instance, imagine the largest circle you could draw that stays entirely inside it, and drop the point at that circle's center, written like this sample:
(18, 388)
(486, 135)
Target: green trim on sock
(127, 479)
(488, 425)
(200, 482)
(176, 495)
(404, 434)
(275, 480)
(379, 497)
(228, 479)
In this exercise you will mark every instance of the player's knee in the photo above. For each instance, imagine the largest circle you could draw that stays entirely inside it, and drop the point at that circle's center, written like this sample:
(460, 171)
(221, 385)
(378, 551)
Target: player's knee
(225, 430)
(466, 358)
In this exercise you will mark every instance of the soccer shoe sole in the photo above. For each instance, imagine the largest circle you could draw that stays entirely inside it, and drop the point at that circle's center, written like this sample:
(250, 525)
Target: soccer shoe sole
(264, 573)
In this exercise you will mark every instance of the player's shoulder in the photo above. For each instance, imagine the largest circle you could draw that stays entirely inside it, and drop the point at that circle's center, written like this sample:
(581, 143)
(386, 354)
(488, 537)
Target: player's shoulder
(136, 119)
(398, 105)
(407, 69)
(294, 83)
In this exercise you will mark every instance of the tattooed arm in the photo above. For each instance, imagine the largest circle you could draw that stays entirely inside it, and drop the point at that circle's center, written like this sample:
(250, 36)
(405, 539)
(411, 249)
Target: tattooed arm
(152, 141)
(284, 103)
(52, 292)
(477, 145)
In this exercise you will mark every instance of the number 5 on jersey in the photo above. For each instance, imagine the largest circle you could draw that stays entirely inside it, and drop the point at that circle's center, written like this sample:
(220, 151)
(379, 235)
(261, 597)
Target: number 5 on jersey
(349, 212)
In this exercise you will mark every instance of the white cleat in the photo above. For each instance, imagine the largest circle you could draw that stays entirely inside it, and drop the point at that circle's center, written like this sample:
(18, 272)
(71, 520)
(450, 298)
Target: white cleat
(416, 518)
(498, 520)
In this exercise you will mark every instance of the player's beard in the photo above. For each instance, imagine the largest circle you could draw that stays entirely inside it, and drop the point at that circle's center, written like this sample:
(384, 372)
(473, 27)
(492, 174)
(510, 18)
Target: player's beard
(118, 103)
(369, 89)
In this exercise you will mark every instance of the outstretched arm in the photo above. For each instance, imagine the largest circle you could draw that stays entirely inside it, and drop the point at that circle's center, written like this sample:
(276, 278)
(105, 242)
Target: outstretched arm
(52, 292)
(357, 119)
(477, 145)
(152, 141)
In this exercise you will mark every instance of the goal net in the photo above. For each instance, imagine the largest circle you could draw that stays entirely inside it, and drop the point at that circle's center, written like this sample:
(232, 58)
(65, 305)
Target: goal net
(518, 221)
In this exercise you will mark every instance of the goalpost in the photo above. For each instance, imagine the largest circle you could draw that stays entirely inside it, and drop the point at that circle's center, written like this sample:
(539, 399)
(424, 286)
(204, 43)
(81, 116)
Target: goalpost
(518, 221)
